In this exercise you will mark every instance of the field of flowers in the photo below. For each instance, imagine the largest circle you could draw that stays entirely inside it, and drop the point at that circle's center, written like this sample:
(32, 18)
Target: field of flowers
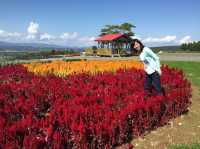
(89, 107)
(62, 68)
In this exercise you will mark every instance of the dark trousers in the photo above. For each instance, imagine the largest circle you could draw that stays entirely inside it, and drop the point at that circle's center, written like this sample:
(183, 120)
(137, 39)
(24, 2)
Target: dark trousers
(153, 79)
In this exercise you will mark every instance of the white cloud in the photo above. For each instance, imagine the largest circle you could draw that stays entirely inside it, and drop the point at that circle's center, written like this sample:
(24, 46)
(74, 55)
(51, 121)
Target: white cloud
(185, 39)
(69, 36)
(87, 41)
(168, 38)
(135, 37)
(33, 31)
(8, 36)
(14, 34)
(1, 32)
(31, 37)
(33, 34)
(46, 36)
(33, 28)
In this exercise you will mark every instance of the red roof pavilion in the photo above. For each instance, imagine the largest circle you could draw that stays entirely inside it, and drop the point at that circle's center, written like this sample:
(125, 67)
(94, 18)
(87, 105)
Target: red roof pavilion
(114, 42)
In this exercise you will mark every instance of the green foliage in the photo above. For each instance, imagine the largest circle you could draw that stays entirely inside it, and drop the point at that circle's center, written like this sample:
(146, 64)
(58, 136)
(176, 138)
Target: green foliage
(125, 28)
(60, 52)
(11, 56)
(156, 50)
(192, 46)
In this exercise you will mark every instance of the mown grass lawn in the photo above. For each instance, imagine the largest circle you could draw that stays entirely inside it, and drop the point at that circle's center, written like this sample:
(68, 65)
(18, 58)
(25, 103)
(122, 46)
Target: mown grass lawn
(191, 69)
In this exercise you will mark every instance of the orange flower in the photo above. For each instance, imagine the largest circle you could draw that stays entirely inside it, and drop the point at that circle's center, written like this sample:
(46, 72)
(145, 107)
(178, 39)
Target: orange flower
(63, 68)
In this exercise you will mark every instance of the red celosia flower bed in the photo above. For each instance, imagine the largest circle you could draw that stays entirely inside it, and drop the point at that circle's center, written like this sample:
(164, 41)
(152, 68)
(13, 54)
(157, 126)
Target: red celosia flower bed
(84, 111)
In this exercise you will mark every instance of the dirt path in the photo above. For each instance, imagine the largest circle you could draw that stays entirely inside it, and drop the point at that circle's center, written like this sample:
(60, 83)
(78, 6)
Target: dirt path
(163, 57)
(182, 130)
(180, 56)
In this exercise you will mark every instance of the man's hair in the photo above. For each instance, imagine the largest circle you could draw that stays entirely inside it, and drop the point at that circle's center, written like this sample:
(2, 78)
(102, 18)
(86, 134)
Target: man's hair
(138, 41)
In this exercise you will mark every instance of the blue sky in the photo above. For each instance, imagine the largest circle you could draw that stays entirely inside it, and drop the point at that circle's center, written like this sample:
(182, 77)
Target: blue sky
(78, 22)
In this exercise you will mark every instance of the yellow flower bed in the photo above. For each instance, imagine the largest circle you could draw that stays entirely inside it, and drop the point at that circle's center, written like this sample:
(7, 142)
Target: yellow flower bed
(62, 68)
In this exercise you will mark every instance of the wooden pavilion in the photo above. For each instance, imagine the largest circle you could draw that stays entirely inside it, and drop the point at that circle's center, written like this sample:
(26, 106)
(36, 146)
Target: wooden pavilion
(118, 43)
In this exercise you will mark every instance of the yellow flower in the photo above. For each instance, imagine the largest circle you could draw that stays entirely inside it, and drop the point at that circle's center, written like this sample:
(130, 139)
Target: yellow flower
(63, 68)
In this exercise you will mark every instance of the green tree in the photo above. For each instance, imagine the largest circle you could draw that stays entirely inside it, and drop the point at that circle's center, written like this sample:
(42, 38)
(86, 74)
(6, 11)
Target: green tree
(125, 28)
(184, 46)
(192, 46)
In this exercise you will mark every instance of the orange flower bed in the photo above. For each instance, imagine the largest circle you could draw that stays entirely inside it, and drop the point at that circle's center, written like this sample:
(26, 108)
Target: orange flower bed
(63, 68)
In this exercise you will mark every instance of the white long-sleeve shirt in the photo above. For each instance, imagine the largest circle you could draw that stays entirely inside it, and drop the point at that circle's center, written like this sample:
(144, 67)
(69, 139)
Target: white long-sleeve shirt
(151, 61)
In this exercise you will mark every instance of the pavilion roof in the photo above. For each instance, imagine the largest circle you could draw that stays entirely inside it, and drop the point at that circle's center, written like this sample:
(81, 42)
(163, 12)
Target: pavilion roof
(109, 37)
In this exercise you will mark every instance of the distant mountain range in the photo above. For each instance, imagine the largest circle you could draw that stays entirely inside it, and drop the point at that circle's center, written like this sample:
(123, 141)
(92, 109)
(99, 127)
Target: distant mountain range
(8, 46)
